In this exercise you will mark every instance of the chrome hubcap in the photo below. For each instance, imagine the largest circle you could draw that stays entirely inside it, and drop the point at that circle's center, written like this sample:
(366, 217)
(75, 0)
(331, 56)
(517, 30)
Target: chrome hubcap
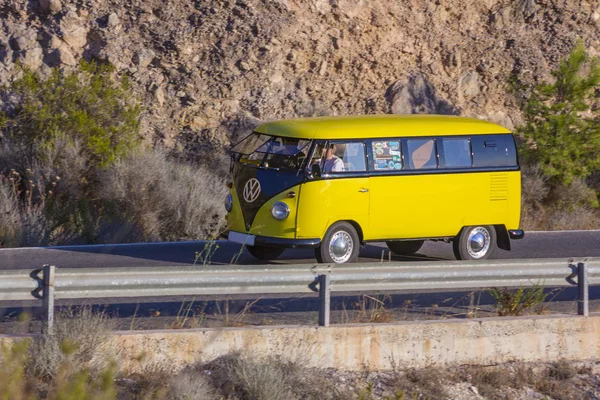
(340, 247)
(478, 242)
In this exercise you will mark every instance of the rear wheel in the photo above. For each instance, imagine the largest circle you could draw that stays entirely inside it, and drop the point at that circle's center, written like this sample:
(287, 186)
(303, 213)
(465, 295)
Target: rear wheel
(340, 244)
(405, 247)
(475, 243)
(264, 252)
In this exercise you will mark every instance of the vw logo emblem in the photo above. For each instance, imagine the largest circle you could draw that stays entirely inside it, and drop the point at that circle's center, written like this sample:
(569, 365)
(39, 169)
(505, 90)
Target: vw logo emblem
(251, 190)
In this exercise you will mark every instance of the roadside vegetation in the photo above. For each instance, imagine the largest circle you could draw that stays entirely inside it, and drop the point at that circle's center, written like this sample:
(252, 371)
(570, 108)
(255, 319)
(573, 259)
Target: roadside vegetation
(560, 143)
(77, 362)
(74, 170)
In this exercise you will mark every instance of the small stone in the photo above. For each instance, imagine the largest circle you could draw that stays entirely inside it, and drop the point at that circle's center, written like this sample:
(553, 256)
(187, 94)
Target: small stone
(159, 95)
(32, 58)
(180, 93)
(244, 66)
(196, 59)
(323, 68)
(26, 40)
(50, 6)
(469, 84)
(197, 123)
(144, 57)
(75, 37)
(65, 57)
(113, 21)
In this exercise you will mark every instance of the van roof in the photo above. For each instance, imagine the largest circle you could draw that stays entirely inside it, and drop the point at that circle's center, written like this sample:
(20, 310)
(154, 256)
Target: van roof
(378, 126)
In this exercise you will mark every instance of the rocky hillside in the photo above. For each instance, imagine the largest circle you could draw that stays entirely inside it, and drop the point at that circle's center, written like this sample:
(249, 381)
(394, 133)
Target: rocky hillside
(207, 71)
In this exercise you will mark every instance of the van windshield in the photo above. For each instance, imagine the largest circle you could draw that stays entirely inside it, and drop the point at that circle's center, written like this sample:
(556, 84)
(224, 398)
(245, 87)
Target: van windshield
(272, 151)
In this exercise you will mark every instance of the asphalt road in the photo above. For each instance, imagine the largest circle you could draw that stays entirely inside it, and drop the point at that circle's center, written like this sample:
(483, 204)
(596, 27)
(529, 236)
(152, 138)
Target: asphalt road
(426, 305)
(534, 245)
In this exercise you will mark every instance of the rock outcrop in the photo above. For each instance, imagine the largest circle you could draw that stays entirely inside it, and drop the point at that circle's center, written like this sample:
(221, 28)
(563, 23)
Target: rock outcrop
(208, 71)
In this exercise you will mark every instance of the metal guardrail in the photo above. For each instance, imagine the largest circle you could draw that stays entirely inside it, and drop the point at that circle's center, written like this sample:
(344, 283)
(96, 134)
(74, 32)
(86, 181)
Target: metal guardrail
(50, 283)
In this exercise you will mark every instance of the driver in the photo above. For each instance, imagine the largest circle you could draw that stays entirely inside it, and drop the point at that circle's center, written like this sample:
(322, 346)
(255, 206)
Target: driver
(332, 162)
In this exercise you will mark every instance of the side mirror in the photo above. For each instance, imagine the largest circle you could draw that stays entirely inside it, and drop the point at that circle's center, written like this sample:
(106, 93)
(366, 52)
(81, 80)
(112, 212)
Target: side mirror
(316, 170)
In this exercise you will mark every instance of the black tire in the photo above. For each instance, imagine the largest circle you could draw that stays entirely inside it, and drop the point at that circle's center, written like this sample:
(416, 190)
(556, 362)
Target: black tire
(405, 247)
(264, 252)
(339, 231)
(463, 250)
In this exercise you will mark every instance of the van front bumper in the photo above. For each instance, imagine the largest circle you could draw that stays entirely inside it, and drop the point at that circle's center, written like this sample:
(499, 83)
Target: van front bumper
(267, 241)
(516, 234)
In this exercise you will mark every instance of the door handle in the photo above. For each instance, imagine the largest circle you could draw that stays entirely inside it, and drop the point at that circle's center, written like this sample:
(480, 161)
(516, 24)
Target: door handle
(363, 190)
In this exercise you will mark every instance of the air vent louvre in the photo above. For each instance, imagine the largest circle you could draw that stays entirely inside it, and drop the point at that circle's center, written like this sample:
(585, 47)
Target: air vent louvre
(499, 187)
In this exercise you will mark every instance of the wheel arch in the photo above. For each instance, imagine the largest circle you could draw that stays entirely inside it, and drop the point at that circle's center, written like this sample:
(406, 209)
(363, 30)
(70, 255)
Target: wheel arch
(502, 238)
(354, 224)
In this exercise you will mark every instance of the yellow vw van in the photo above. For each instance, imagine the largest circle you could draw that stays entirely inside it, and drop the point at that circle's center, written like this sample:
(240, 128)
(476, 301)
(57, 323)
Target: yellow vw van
(335, 183)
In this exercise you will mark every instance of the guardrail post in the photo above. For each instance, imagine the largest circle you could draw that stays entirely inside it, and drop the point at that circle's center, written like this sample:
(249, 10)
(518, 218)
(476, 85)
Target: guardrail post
(583, 294)
(325, 297)
(48, 297)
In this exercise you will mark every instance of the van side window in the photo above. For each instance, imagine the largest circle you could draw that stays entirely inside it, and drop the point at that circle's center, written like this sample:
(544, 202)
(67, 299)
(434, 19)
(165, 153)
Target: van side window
(421, 153)
(344, 157)
(457, 153)
(387, 155)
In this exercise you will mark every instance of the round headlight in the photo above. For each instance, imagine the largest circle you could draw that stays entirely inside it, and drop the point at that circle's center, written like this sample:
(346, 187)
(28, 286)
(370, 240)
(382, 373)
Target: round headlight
(228, 203)
(280, 210)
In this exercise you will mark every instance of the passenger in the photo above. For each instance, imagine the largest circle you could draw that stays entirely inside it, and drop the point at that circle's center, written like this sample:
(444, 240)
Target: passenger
(332, 162)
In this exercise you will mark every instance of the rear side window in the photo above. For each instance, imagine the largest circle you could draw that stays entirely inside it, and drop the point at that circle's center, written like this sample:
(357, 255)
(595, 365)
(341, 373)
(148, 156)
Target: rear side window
(421, 154)
(457, 153)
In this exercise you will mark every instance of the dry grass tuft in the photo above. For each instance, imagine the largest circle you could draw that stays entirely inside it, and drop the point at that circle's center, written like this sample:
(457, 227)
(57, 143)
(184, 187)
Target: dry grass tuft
(161, 199)
(238, 377)
(79, 335)
(188, 385)
(426, 383)
(579, 217)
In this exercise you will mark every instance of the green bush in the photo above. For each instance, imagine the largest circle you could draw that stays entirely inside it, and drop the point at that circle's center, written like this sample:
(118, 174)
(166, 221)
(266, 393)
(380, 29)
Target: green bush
(562, 130)
(88, 106)
(516, 302)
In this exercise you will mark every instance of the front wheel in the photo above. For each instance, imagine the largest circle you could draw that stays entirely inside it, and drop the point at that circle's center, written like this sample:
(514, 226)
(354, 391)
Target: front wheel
(340, 244)
(475, 243)
(405, 247)
(265, 253)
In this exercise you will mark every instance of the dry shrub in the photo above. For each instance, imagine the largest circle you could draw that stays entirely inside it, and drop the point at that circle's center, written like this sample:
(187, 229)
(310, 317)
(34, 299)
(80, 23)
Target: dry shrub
(491, 382)
(426, 383)
(556, 382)
(190, 385)
(561, 370)
(535, 189)
(163, 199)
(373, 309)
(79, 335)
(151, 381)
(559, 207)
(245, 379)
(576, 194)
(269, 378)
(10, 226)
(580, 217)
